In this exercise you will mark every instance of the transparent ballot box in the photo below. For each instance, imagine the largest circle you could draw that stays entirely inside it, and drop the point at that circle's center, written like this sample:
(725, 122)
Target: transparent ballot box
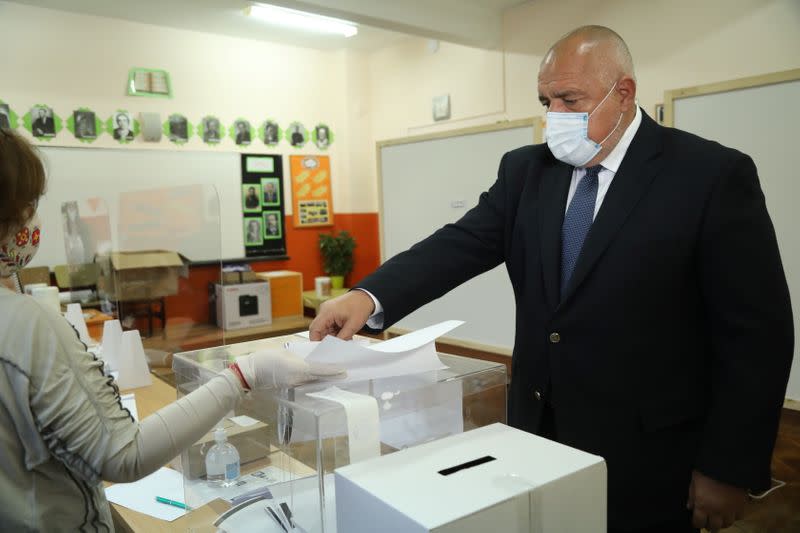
(290, 441)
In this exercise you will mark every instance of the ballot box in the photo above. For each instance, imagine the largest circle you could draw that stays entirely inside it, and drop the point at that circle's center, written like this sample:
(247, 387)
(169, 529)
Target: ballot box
(495, 478)
(291, 441)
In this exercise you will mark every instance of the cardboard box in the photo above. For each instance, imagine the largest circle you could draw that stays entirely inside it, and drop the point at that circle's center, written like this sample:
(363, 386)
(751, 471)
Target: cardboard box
(144, 275)
(287, 292)
(493, 478)
(31, 275)
(232, 278)
(244, 305)
(76, 276)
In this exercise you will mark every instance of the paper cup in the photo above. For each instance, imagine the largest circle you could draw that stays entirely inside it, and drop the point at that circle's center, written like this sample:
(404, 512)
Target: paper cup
(322, 284)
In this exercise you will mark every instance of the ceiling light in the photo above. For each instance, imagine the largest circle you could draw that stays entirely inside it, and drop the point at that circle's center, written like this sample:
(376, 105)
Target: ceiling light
(301, 20)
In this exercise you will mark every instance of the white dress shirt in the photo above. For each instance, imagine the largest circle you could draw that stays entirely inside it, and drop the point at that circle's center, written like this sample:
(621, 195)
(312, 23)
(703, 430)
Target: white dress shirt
(610, 166)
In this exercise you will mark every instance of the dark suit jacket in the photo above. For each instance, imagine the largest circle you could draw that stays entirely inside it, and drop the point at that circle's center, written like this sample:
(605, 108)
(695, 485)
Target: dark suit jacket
(675, 336)
(45, 126)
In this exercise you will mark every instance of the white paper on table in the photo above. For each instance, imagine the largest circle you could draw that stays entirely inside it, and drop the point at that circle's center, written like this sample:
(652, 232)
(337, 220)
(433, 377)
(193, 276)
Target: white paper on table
(243, 420)
(412, 353)
(129, 402)
(199, 492)
(141, 495)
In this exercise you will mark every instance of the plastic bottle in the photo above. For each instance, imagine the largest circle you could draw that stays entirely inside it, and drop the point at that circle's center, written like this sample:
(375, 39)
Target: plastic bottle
(222, 461)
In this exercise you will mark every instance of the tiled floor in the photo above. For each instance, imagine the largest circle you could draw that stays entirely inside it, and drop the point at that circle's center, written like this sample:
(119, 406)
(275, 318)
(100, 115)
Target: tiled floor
(780, 511)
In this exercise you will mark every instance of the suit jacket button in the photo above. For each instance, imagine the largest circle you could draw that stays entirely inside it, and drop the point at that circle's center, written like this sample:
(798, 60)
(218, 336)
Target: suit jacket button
(555, 338)
(537, 395)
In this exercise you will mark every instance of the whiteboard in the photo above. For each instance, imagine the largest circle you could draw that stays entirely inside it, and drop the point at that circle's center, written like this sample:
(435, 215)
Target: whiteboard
(760, 121)
(113, 174)
(429, 182)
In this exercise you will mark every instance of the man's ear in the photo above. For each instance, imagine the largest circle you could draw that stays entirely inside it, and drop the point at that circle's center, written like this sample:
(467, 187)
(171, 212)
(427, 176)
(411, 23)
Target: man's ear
(626, 87)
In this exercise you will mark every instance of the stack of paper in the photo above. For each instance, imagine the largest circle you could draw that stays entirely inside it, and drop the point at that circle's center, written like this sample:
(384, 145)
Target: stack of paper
(412, 353)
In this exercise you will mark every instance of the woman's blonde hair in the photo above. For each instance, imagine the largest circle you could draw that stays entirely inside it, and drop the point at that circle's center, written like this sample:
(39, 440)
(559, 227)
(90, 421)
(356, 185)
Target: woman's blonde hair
(22, 181)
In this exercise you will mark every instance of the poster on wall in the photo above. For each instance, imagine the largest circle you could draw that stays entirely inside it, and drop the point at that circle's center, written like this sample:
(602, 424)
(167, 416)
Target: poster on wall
(263, 205)
(84, 124)
(8, 119)
(42, 122)
(122, 126)
(210, 130)
(311, 190)
(241, 132)
(297, 135)
(271, 132)
(322, 136)
(178, 129)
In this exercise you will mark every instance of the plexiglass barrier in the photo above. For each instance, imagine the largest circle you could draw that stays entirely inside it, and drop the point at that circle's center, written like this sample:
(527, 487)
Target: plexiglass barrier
(291, 441)
(149, 259)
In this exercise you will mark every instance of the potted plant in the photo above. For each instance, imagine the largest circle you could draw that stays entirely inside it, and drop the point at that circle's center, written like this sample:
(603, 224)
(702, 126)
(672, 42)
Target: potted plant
(337, 256)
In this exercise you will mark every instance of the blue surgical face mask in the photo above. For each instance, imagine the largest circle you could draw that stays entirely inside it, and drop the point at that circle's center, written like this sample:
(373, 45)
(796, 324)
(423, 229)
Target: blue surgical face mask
(568, 135)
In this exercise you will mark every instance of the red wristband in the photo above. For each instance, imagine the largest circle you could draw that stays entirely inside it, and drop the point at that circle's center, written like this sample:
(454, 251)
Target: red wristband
(238, 371)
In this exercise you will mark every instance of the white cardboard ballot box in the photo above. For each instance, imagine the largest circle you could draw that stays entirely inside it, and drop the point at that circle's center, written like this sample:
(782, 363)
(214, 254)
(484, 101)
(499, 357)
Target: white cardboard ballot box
(494, 478)
(245, 305)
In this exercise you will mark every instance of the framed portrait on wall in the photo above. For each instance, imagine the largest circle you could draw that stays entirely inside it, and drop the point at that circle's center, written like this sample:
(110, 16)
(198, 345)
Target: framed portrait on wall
(251, 198)
(253, 236)
(273, 227)
(271, 188)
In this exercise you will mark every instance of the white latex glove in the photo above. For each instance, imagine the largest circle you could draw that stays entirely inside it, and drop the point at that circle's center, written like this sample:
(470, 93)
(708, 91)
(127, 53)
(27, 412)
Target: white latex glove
(281, 368)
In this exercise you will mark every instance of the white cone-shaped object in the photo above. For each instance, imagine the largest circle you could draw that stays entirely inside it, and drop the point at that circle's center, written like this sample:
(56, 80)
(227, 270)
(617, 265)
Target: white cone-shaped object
(133, 369)
(75, 317)
(112, 343)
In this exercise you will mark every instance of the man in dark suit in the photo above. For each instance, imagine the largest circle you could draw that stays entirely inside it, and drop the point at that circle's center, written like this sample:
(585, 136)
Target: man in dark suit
(44, 125)
(653, 327)
(242, 132)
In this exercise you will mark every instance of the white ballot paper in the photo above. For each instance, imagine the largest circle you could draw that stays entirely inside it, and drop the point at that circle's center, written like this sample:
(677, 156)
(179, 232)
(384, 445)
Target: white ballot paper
(411, 353)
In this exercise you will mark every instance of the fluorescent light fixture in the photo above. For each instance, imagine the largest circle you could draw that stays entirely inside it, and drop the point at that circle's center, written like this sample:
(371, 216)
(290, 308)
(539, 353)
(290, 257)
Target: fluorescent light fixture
(301, 20)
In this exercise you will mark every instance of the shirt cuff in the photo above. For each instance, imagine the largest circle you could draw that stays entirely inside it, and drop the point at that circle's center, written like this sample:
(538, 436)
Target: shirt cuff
(375, 320)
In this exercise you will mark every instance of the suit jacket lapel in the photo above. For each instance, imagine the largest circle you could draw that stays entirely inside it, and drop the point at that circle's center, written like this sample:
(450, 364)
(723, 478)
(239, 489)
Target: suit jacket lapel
(639, 166)
(553, 191)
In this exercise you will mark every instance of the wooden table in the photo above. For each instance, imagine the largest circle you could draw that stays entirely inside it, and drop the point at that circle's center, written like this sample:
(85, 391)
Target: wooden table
(190, 336)
(312, 301)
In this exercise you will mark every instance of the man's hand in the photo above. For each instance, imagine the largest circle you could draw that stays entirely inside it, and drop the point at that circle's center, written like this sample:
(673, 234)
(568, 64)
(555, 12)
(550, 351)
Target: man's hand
(343, 316)
(716, 505)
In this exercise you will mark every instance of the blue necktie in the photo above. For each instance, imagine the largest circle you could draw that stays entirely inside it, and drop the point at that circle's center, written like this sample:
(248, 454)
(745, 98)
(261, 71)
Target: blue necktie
(577, 222)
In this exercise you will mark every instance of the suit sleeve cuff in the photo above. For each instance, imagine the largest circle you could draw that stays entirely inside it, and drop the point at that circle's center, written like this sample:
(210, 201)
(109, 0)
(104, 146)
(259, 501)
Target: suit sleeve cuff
(375, 320)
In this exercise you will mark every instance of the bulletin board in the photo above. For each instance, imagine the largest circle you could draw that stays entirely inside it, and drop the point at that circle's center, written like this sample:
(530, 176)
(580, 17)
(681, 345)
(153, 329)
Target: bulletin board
(311, 191)
(263, 205)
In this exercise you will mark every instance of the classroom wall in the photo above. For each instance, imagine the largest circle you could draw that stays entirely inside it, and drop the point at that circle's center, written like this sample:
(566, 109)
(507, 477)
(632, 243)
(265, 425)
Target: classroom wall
(675, 43)
(69, 60)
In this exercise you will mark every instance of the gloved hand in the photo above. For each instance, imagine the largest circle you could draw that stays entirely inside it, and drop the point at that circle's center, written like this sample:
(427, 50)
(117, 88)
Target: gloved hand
(281, 368)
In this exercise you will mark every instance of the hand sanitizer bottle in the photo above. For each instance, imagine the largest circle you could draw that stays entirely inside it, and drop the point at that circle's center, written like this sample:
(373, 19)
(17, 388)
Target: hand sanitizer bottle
(222, 461)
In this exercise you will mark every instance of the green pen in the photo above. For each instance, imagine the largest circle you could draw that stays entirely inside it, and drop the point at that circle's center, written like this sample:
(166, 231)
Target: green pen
(159, 499)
